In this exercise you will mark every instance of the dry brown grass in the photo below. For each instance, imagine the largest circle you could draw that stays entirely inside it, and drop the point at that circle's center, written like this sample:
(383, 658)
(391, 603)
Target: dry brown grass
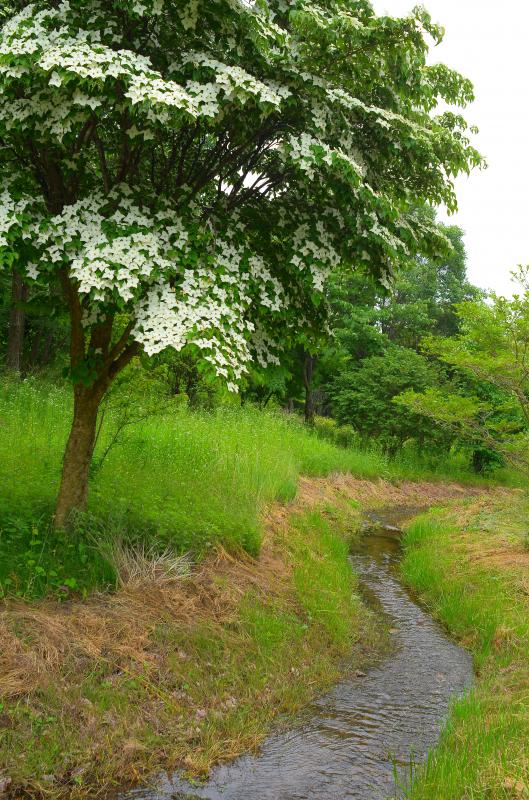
(144, 566)
(489, 530)
(59, 644)
(492, 535)
(117, 628)
(375, 494)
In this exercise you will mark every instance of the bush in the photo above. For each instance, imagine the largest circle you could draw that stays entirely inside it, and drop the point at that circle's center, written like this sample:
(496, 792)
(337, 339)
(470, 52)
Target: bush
(341, 435)
(363, 397)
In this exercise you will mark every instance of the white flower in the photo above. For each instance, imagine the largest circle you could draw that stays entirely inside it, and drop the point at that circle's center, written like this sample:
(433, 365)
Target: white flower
(55, 79)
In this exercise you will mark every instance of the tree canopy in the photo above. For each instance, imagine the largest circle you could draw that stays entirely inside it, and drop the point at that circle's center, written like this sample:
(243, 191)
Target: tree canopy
(363, 397)
(487, 400)
(188, 173)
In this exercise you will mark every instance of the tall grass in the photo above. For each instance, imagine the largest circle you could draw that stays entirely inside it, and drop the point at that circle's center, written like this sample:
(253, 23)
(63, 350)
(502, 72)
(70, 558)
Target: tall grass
(183, 479)
(178, 479)
(484, 751)
(196, 478)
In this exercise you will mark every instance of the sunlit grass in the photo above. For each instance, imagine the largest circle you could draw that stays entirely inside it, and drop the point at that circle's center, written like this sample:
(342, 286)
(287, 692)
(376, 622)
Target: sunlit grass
(484, 751)
(187, 480)
(180, 479)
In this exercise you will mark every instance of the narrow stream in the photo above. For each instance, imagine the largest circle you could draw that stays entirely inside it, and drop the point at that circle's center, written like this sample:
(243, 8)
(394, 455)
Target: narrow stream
(353, 742)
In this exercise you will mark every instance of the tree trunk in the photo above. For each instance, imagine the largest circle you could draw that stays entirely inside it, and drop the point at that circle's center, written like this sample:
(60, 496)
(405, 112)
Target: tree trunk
(35, 348)
(73, 491)
(36, 357)
(308, 370)
(17, 318)
(47, 351)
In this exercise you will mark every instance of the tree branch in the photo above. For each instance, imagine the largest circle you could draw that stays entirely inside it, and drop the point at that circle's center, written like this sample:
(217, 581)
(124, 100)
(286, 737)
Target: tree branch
(77, 334)
(107, 181)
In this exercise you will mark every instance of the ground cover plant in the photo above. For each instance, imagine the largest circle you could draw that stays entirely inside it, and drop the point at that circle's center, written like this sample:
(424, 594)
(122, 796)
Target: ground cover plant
(469, 564)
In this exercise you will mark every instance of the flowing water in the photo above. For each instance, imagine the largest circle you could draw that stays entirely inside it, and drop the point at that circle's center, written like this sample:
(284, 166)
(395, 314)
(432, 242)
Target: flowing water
(360, 741)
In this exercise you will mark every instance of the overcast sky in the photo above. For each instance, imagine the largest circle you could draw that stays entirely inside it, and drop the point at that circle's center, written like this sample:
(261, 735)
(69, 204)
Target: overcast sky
(487, 42)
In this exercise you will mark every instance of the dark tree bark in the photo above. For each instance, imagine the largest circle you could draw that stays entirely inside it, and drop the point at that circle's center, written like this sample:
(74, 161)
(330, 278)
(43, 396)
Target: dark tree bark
(308, 372)
(73, 491)
(41, 349)
(17, 320)
(35, 348)
(47, 350)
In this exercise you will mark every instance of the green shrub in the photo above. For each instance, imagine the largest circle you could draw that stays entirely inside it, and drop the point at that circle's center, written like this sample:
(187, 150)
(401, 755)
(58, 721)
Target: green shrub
(341, 435)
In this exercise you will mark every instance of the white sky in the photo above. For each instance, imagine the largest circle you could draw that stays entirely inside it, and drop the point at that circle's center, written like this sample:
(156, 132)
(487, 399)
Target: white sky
(487, 42)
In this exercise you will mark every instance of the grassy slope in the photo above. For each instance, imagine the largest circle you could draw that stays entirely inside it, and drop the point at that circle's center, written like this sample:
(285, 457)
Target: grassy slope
(187, 480)
(471, 566)
(181, 674)
(113, 686)
(118, 684)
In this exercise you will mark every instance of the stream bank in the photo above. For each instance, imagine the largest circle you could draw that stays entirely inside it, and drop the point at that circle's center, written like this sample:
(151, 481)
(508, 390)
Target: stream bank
(192, 672)
(362, 740)
(470, 564)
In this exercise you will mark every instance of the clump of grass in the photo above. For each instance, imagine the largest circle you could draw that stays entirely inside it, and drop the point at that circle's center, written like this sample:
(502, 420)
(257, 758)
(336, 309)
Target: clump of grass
(470, 566)
(136, 566)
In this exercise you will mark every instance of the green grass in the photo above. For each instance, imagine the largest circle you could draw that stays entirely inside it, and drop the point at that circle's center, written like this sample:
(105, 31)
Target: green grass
(484, 751)
(182, 479)
(202, 691)
(193, 480)
(187, 480)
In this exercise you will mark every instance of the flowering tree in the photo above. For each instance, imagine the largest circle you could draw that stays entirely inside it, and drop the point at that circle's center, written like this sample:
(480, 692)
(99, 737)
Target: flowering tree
(187, 172)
